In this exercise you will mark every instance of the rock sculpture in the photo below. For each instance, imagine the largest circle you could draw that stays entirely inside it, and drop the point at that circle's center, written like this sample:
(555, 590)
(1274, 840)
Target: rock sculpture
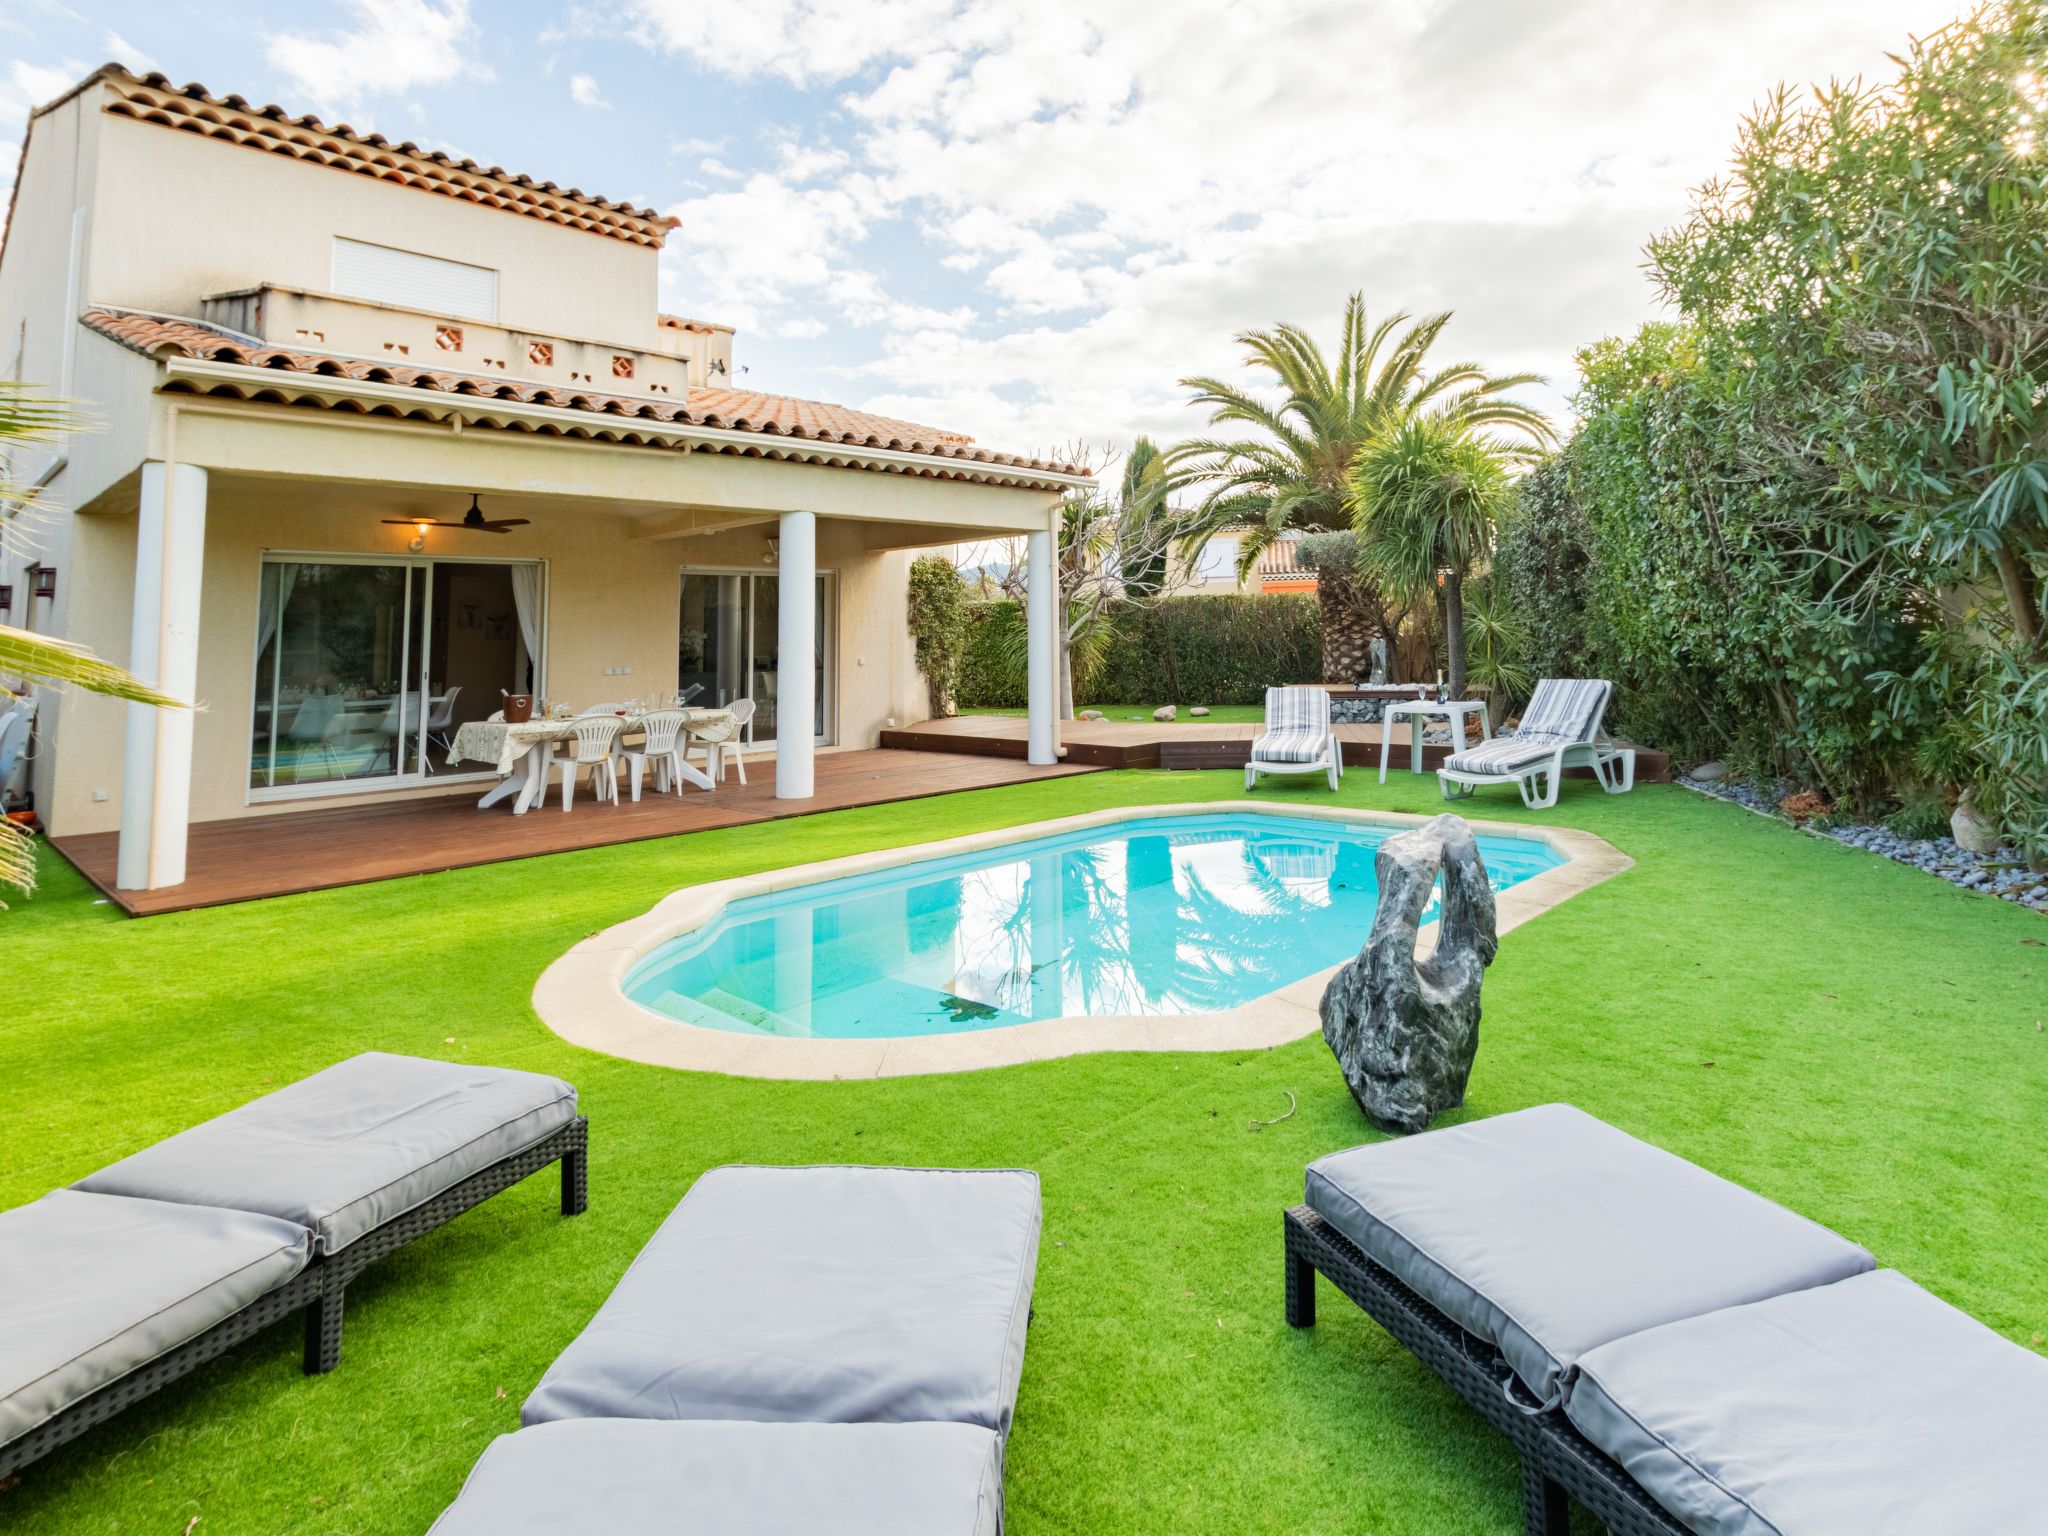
(1379, 661)
(1405, 1031)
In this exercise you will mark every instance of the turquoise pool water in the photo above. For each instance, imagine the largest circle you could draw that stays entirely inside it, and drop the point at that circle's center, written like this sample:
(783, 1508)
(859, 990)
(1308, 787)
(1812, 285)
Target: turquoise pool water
(1156, 915)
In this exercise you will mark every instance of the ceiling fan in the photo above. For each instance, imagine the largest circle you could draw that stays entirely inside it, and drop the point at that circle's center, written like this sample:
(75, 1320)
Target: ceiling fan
(473, 520)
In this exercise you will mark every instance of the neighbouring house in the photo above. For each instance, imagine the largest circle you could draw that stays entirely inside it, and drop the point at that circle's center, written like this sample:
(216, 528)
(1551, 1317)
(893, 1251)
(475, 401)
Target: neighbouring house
(306, 350)
(1211, 566)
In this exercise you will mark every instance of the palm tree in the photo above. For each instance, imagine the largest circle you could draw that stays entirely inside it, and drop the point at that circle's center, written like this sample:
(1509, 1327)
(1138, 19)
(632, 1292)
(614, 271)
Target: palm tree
(1292, 469)
(1146, 483)
(28, 418)
(1423, 502)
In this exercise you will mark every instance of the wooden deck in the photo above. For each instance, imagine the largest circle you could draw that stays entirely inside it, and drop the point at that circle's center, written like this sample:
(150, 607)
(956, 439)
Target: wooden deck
(311, 850)
(1179, 744)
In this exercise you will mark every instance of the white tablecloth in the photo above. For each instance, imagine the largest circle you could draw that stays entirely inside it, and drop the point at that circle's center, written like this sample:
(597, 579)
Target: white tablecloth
(502, 745)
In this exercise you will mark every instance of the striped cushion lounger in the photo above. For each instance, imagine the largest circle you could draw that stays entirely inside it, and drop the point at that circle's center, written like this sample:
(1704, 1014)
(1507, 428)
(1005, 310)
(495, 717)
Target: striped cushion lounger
(149, 1268)
(1297, 737)
(795, 1351)
(1680, 1355)
(1560, 729)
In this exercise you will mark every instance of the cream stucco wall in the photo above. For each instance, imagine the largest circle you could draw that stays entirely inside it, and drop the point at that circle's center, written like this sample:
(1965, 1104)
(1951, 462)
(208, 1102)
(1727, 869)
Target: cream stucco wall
(145, 255)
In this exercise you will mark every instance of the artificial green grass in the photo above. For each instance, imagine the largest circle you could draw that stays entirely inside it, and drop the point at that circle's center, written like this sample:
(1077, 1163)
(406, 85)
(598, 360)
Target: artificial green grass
(1854, 1039)
(1219, 714)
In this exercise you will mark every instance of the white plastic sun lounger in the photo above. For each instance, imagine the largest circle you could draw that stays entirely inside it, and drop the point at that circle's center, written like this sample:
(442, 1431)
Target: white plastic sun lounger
(1297, 737)
(1560, 729)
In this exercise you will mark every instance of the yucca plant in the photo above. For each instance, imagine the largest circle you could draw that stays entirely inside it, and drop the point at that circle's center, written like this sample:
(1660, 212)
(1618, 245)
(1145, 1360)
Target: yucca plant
(1424, 500)
(27, 418)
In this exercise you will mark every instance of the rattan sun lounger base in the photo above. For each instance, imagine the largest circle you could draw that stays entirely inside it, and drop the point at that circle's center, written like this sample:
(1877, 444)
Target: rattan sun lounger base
(317, 1292)
(1558, 1463)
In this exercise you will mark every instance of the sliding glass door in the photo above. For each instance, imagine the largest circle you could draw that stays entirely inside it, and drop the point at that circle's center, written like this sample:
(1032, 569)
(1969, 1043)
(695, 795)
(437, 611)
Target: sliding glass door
(730, 647)
(366, 668)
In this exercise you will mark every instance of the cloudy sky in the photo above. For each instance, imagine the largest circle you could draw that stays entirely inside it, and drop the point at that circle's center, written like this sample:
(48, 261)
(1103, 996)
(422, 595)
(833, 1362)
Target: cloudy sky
(1028, 219)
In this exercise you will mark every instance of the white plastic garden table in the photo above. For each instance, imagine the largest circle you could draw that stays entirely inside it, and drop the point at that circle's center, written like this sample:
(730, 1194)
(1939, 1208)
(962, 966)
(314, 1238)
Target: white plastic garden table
(1456, 711)
(520, 752)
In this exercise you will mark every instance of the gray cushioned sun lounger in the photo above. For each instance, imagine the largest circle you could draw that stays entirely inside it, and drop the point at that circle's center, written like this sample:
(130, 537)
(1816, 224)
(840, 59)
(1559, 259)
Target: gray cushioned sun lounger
(97, 1285)
(148, 1268)
(1706, 1361)
(645, 1477)
(834, 1294)
(1547, 1232)
(1865, 1407)
(351, 1148)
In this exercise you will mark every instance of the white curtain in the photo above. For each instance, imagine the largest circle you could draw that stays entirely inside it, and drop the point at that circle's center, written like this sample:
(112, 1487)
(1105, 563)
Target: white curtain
(271, 604)
(526, 599)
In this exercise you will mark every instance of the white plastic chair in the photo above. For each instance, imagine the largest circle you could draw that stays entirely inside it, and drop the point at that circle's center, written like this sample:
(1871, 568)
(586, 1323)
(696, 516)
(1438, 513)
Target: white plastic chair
(317, 724)
(659, 747)
(440, 724)
(596, 735)
(742, 713)
(396, 727)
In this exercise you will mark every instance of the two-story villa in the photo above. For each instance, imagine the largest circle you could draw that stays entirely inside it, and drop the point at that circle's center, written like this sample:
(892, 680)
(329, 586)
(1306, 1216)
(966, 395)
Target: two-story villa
(305, 352)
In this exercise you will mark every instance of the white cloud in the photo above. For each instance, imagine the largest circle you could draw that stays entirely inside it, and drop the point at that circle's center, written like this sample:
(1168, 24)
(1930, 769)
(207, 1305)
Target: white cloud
(28, 86)
(119, 49)
(743, 250)
(23, 88)
(797, 40)
(584, 92)
(393, 46)
(1123, 188)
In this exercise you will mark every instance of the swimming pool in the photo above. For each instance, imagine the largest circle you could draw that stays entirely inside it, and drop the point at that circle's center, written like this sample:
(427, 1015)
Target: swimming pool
(1149, 916)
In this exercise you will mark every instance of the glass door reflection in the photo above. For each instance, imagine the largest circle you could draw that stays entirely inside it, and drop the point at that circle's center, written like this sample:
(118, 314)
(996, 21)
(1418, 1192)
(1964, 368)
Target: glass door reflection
(336, 697)
(730, 645)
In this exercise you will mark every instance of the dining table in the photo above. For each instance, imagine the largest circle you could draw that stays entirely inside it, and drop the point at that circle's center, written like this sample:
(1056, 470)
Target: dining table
(520, 751)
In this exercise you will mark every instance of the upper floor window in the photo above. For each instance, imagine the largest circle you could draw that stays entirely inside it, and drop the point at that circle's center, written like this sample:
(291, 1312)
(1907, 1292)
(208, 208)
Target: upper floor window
(390, 276)
(1217, 560)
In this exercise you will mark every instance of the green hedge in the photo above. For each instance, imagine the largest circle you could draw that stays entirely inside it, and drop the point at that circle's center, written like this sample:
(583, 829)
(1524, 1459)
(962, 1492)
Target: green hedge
(1185, 650)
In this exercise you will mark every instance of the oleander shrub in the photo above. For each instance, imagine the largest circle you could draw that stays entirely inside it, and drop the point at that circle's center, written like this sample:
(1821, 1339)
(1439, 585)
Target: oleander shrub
(1804, 526)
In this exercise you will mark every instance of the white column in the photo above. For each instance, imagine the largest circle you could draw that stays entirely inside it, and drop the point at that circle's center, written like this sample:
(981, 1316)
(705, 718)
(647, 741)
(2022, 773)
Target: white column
(1041, 650)
(163, 650)
(795, 684)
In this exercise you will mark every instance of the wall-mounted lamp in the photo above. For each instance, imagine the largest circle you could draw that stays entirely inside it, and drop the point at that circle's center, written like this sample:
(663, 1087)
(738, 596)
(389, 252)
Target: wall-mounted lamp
(419, 538)
(774, 552)
(42, 580)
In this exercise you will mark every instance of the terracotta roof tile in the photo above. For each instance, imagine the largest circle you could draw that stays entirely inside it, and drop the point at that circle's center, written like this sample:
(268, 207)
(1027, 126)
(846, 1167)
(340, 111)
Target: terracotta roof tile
(734, 410)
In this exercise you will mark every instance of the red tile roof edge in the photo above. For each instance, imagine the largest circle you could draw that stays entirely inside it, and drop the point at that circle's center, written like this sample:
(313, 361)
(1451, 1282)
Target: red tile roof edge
(781, 416)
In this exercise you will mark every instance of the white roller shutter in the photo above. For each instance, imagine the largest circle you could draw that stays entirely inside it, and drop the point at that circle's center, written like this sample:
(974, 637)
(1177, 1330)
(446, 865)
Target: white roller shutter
(390, 276)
